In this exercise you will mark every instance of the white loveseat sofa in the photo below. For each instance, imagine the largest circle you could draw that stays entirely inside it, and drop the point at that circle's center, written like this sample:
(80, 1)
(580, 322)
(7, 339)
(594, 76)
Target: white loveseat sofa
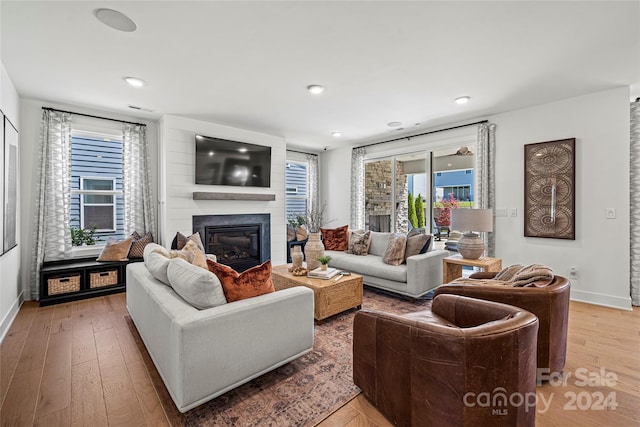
(201, 354)
(415, 278)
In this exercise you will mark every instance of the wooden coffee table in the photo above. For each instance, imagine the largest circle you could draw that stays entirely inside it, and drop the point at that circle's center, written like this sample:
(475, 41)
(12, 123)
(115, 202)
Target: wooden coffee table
(329, 297)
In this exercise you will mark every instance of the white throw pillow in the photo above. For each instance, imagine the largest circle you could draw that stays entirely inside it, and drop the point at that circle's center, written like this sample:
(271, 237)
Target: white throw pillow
(197, 286)
(156, 259)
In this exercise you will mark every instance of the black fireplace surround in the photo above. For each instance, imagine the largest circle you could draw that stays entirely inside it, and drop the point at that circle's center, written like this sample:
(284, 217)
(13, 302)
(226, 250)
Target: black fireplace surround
(240, 241)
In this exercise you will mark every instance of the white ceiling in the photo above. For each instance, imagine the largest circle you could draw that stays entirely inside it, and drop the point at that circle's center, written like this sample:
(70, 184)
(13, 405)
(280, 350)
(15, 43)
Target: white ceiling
(247, 64)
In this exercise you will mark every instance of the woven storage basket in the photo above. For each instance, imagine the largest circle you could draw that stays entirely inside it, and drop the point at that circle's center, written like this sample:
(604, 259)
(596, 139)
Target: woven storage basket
(62, 285)
(103, 278)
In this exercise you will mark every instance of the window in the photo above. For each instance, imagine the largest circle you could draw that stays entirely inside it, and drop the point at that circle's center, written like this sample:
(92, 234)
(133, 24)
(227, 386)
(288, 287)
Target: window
(97, 203)
(96, 185)
(296, 188)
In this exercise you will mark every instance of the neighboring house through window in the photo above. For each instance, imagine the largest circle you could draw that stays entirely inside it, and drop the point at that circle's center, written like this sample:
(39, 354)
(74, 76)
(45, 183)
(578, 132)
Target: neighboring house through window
(96, 184)
(296, 188)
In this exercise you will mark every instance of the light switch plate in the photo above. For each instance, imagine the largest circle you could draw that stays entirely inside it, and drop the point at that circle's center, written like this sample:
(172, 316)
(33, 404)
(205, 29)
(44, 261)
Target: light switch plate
(610, 213)
(501, 212)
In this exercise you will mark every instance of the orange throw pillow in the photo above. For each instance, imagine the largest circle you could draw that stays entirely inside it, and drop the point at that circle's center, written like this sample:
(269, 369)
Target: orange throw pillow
(335, 239)
(238, 286)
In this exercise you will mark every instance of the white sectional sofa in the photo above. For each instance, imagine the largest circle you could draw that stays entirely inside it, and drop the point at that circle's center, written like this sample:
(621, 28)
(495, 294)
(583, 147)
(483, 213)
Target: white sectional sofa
(201, 354)
(415, 278)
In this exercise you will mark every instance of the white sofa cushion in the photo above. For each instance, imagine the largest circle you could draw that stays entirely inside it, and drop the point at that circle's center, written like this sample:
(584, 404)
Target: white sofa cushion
(370, 265)
(379, 243)
(156, 259)
(197, 286)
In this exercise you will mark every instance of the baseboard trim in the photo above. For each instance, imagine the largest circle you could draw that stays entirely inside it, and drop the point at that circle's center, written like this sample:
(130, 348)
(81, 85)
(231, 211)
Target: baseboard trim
(10, 317)
(601, 299)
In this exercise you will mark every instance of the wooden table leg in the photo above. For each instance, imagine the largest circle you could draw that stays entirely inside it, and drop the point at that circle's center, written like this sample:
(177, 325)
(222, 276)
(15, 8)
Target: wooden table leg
(451, 271)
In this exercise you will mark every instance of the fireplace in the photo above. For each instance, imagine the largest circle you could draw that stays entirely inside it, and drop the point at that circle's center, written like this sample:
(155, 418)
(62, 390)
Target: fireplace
(239, 241)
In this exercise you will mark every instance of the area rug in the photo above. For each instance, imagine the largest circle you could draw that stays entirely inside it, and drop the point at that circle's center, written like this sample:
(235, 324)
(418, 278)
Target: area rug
(300, 393)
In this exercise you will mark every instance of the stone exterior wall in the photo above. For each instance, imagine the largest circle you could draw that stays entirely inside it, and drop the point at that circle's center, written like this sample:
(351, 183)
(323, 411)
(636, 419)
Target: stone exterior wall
(402, 203)
(378, 192)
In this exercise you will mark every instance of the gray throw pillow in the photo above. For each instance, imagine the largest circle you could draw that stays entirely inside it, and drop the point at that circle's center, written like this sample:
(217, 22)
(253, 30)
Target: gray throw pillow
(197, 286)
(417, 244)
(156, 259)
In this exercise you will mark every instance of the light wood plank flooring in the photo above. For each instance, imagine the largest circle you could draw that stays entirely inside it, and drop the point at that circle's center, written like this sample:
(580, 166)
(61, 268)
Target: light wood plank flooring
(77, 364)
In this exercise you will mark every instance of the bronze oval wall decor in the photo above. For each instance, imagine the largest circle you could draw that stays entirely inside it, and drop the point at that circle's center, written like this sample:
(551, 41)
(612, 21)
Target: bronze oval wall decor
(549, 189)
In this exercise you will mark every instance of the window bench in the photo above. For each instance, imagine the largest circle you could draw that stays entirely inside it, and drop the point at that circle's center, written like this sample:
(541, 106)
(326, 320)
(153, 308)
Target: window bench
(79, 278)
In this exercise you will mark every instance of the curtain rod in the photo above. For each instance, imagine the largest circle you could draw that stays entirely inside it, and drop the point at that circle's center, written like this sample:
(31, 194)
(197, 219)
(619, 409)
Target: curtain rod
(302, 152)
(92, 116)
(425, 133)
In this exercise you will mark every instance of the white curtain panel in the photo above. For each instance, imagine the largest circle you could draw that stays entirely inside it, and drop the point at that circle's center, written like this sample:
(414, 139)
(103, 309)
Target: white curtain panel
(357, 188)
(486, 177)
(312, 181)
(139, 214)
(52, 235)
(635, 203)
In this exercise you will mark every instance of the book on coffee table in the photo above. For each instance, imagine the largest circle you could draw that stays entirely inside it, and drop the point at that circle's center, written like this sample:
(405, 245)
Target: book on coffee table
(318, 273)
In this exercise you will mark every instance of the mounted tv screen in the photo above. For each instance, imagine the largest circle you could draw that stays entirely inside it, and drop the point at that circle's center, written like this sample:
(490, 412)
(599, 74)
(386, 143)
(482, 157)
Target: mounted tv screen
(224, 162)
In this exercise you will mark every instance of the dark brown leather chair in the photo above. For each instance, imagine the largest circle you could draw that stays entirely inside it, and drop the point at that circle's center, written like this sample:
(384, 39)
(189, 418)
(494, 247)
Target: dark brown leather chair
(429, 368)
(550, 303)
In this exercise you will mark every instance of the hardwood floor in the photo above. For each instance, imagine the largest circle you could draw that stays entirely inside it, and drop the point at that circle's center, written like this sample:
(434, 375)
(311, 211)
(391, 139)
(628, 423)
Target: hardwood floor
(77, 364)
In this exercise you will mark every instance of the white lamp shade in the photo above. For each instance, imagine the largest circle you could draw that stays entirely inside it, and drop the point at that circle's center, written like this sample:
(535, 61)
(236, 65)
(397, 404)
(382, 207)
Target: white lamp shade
(472, 219)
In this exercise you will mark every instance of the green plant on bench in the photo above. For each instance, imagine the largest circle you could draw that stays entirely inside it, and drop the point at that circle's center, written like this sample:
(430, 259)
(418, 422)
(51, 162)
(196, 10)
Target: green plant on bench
(82, 236)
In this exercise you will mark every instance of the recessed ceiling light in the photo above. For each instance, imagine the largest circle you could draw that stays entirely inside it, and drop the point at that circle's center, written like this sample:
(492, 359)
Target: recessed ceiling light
(116, 20)
(242, 150)
(315, 89)
(462, 100)
(134, 81)
(336, 134)
(394, 124)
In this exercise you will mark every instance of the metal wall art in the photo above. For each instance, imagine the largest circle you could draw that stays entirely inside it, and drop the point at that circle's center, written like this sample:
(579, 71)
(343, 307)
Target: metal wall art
(549, 189)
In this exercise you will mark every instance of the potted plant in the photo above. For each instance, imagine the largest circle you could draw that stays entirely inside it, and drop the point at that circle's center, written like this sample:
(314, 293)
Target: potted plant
(324, 261)
(82, 236)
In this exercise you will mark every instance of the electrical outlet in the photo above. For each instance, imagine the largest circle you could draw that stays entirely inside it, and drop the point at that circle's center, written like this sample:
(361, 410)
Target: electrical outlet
(513, 212)
(610, 213)
(573, 273)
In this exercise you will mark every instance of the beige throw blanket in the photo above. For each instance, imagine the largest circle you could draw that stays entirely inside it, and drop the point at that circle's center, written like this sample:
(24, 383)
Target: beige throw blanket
(534, 275)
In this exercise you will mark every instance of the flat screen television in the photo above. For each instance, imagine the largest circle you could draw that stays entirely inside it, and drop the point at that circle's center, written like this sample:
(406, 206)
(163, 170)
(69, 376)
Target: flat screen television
(225, 162)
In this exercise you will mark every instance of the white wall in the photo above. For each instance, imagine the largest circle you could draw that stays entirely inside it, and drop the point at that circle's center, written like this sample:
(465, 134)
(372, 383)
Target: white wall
(31, 115)
(10, 263)
(600, 124)
(177, 182)
(335, 184)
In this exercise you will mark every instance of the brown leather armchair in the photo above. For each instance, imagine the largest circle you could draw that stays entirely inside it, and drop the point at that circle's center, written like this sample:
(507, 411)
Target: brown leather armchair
(437, 367)
(550, 303)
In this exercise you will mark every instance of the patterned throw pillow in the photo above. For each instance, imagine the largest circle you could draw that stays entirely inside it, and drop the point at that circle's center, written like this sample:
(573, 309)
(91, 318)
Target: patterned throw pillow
(417, 243)
(116, 250)
(180, 240)
(139, 243)
(335, 239)
(359, 243)
(250, 283)
(394, 254)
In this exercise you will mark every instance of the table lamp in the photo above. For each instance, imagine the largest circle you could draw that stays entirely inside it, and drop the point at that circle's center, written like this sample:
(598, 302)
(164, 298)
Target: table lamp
(469, 221)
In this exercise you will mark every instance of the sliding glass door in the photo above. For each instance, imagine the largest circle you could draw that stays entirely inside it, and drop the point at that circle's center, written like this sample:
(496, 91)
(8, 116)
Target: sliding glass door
(453, 184)
(393, 186)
